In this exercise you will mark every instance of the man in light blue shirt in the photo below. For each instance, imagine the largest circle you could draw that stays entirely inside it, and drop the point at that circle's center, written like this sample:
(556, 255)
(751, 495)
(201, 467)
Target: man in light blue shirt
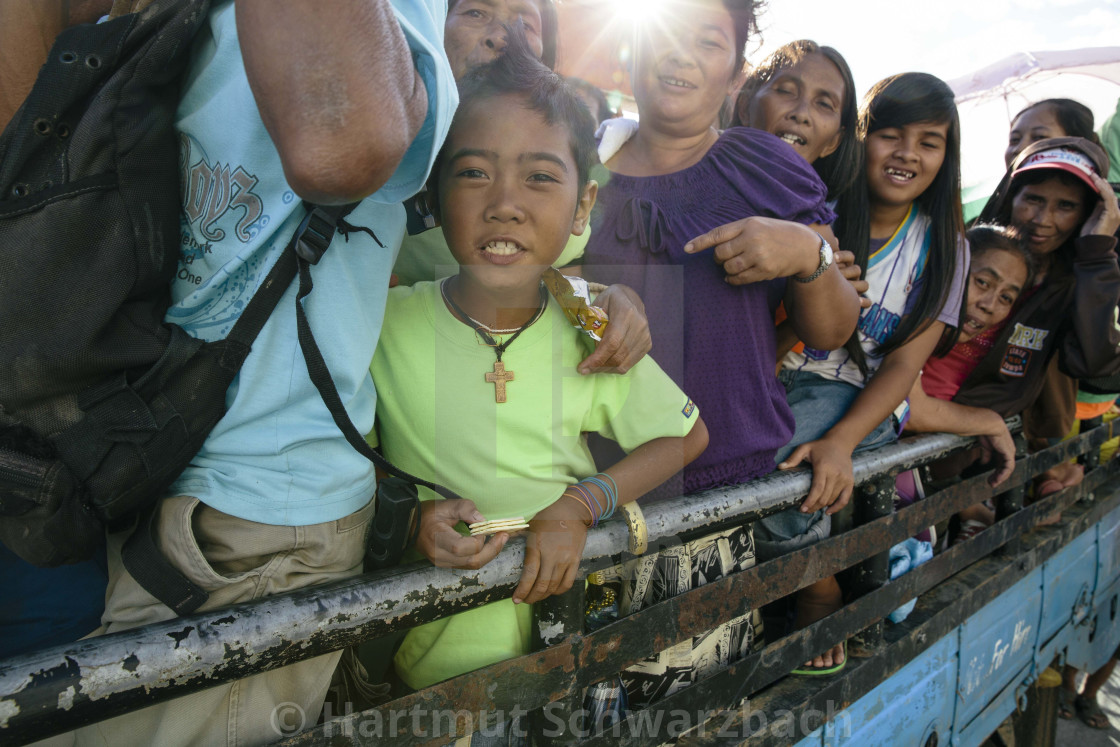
(329, 102)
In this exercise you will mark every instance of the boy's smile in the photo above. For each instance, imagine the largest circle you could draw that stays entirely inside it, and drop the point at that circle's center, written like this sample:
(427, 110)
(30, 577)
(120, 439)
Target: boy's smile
(509, 198)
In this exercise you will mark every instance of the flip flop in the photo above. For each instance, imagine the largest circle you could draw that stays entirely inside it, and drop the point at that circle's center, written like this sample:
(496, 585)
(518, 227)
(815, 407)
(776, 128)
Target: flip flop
(1090, 713)
(1065, 703)
(811, 671)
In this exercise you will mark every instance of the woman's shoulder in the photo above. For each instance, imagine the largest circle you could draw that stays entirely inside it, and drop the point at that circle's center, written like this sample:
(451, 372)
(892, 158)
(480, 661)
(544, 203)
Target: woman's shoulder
(769, 169)
(766, 157)
(765, 149)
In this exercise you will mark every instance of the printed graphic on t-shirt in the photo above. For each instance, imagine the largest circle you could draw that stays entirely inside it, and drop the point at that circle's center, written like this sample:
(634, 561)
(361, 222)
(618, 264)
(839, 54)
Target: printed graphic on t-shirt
(213, 194)
(878, 323)
(222, 211)
(1015, 361)
(1028, 337)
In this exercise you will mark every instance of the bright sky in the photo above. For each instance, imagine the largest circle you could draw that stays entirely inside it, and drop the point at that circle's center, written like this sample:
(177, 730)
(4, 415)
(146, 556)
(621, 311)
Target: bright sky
(948, 38)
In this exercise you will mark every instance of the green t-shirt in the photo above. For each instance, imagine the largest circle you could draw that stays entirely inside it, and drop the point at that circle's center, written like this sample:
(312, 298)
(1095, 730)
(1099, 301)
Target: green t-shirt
(437, 418)
(425, 256)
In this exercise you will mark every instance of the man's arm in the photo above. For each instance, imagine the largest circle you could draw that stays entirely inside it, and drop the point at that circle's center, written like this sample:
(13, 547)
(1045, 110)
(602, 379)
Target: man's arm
(337, 90)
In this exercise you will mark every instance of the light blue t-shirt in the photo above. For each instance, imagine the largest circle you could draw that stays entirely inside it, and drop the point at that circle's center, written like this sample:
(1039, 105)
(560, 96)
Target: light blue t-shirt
(277, 457)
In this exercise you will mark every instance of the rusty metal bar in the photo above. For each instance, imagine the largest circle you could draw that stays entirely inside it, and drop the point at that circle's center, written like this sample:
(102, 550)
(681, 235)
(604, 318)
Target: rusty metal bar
(764, 668)
(104, 677)
(188, 654)
(532, 682)
(875, 501)
(556, 618)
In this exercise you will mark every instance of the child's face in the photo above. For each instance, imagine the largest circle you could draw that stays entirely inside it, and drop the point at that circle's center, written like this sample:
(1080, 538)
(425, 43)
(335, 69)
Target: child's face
(1034, 124)
(508, 193)
(1048, 213)
(801, 104)
(995, 280)
(903, 161)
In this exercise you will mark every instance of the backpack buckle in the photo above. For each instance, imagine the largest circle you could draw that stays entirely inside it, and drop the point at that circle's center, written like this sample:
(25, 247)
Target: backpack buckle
(314, 235)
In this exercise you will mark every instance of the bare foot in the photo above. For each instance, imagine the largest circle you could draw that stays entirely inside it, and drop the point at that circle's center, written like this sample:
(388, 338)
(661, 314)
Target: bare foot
(814, 602)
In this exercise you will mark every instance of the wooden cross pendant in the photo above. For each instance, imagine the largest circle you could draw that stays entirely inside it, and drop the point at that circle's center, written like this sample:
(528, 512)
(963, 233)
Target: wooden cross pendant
(498, 378)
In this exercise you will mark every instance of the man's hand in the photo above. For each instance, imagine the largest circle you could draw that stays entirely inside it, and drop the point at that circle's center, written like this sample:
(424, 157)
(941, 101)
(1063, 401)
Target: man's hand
(552, 551)
(627, 338)
(444, 546)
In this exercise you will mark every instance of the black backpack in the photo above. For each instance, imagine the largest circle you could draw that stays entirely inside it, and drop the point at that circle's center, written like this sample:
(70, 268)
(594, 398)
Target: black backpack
(102, 404)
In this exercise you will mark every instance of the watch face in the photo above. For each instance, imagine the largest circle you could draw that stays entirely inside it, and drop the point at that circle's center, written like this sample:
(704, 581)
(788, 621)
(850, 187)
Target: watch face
(826, 253)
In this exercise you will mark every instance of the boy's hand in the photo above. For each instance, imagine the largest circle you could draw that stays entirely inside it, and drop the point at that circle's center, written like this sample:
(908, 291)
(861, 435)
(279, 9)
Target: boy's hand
(552, 551)
(833, 480)
(445, 547)
(627, 338)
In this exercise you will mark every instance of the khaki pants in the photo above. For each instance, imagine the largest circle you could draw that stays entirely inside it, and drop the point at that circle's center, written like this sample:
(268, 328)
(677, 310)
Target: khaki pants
(235, 561)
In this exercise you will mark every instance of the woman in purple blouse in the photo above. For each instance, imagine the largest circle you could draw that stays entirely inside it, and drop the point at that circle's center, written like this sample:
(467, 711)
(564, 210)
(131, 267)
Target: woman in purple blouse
(709, 227)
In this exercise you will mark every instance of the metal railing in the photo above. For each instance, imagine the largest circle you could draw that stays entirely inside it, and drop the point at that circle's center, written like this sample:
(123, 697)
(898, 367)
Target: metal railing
(58, 689)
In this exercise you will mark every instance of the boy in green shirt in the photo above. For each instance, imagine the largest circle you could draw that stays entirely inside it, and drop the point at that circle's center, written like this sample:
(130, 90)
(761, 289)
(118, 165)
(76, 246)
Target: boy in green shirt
(476, 374)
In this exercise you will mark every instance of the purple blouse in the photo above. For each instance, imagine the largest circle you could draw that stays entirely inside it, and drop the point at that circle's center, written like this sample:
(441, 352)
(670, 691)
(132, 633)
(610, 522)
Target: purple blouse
(715, 340)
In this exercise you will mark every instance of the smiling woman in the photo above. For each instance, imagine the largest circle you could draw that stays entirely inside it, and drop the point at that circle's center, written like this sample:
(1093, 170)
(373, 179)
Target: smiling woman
(1056, 194)
(677, 188)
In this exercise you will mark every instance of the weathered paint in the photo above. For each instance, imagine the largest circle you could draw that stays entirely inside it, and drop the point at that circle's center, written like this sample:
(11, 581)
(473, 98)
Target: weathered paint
(93, 678)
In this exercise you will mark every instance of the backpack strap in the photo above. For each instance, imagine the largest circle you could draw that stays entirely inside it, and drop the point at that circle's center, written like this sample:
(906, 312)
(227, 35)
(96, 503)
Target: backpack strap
(321, 377)
(141, 554)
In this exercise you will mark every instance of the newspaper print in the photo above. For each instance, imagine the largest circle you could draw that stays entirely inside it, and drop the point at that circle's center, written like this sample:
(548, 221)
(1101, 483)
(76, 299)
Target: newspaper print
(651, 579)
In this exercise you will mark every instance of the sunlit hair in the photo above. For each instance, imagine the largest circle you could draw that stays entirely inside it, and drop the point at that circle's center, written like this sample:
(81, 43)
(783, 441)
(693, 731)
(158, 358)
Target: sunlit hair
(744, 16)
(897, 101)
(550, 26)
(839, 169)
(518, 72)
(1075, 119)
(985, 237)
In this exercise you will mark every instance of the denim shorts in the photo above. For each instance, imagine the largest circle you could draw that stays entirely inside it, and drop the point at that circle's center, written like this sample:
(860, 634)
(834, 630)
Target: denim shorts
(818, 403)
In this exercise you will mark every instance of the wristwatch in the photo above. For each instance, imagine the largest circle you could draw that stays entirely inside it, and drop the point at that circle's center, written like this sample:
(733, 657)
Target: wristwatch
(826, 260)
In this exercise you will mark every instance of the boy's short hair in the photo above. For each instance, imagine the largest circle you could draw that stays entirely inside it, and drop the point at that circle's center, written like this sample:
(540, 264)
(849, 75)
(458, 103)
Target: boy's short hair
(517, 71)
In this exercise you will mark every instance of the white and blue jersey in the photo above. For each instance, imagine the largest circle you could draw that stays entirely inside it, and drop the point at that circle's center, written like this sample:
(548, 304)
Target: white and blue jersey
(893, 274)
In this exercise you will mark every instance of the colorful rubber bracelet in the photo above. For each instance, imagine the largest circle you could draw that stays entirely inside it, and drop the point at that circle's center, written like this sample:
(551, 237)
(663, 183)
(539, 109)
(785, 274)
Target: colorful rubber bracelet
(610, 495)
(580, 501)
(592, 504)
